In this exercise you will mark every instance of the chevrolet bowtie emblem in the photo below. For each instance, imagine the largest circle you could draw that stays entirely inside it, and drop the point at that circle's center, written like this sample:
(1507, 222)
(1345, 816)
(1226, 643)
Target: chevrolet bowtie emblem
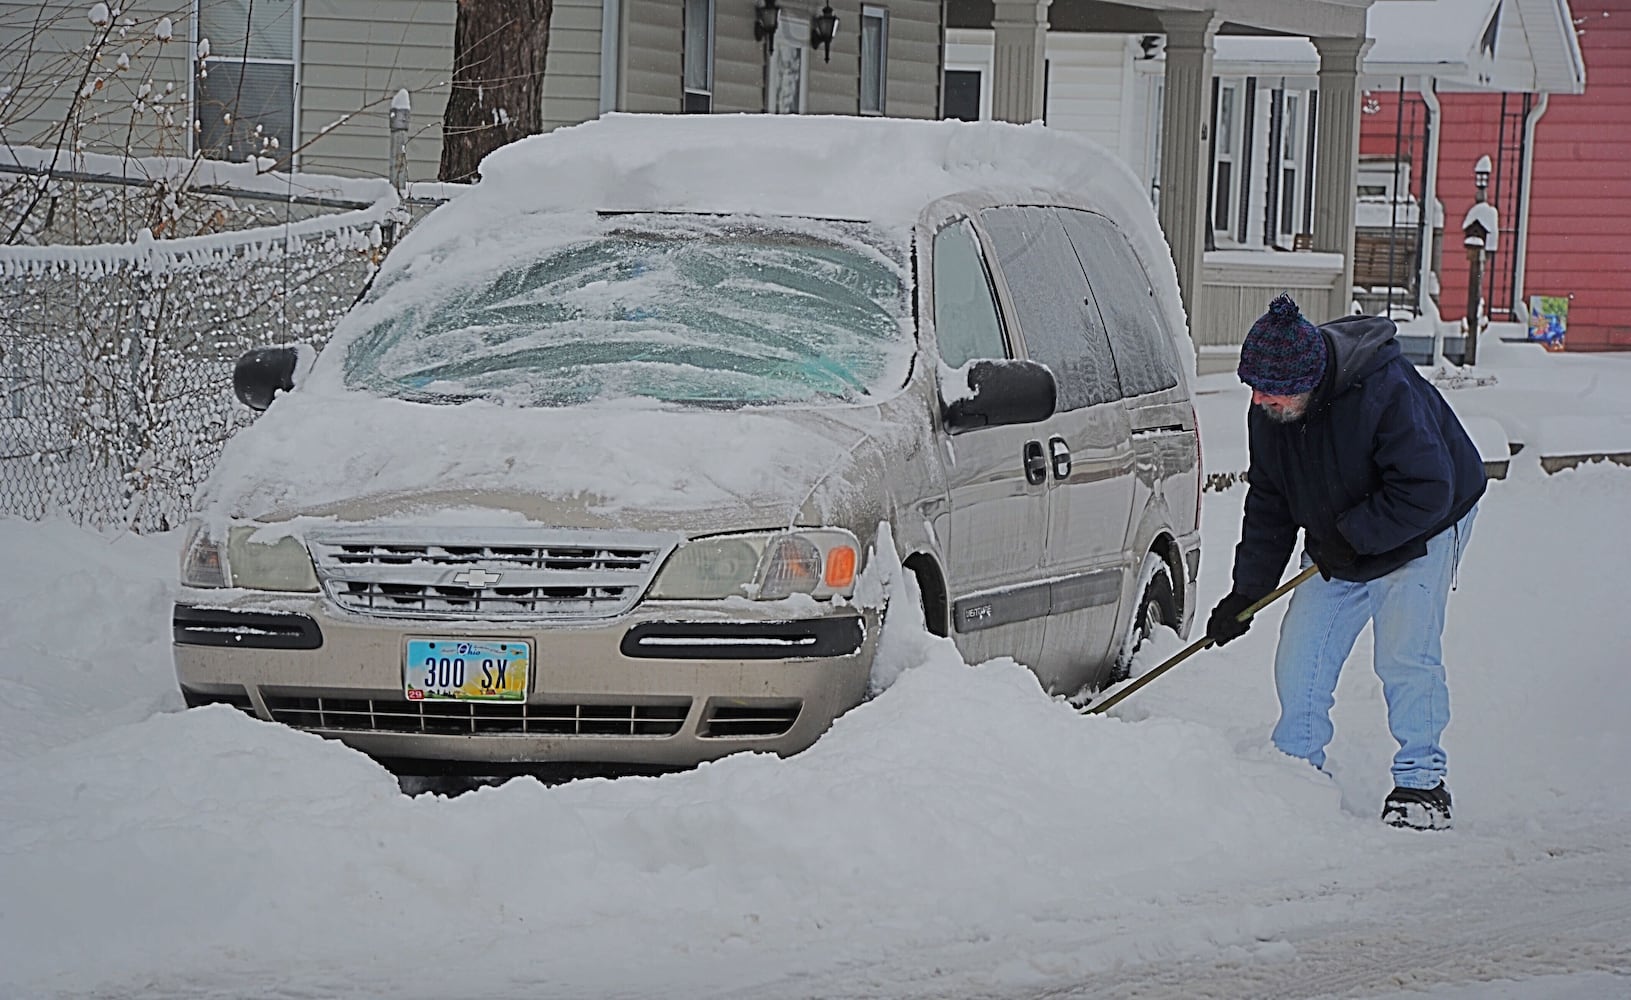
(477, 578)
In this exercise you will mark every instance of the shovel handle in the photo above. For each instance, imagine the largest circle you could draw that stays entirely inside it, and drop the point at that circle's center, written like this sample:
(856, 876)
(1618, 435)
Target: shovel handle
(1199, 644)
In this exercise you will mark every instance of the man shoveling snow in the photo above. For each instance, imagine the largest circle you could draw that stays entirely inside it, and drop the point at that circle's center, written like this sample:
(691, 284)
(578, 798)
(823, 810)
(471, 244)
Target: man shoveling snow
(1350, 444)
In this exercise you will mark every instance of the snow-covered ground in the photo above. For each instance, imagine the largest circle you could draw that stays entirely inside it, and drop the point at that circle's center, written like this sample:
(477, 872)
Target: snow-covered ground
(960, 835)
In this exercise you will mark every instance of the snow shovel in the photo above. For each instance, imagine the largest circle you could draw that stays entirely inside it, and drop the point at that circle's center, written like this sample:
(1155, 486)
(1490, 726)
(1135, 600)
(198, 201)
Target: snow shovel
(1199, 644)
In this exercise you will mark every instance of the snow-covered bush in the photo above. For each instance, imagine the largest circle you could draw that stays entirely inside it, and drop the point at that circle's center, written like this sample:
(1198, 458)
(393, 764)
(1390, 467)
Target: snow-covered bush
(129, 284)
(116, 360)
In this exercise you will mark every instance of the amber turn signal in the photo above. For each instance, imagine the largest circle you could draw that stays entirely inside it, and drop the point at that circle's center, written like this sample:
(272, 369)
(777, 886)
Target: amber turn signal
(840, 567)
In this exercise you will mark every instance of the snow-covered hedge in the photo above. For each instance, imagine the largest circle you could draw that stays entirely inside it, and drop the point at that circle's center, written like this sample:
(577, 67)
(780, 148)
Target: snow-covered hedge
(129, 284)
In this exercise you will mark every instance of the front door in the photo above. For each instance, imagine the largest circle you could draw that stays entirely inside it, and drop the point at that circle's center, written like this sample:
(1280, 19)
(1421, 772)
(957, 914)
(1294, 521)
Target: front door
(787, 71)
(996, 526)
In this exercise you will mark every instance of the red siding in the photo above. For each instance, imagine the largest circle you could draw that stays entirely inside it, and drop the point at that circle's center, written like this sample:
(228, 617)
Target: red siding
(1580, 195)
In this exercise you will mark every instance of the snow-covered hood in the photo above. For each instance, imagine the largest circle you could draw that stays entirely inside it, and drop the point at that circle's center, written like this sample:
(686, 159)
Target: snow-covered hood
(631, 464)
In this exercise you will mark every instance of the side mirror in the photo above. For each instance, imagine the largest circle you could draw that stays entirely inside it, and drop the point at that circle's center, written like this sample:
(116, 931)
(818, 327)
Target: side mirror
(258, 375)
(1003, 392)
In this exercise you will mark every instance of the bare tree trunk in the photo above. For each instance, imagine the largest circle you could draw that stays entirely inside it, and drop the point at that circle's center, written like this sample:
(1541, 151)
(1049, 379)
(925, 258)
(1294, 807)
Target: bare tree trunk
(498, 81)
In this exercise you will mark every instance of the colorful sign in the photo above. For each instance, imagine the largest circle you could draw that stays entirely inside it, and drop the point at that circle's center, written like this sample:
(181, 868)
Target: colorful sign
(1548, 320)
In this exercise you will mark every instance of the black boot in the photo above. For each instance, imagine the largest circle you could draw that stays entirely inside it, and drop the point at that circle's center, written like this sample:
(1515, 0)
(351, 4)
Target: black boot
(1418, 808)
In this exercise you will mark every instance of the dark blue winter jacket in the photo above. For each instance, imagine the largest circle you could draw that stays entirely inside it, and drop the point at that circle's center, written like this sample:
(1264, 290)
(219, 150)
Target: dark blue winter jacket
(1379, 457)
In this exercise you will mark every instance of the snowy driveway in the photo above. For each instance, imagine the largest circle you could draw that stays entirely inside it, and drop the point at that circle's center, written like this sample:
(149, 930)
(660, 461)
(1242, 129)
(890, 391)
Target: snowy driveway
(960, 835)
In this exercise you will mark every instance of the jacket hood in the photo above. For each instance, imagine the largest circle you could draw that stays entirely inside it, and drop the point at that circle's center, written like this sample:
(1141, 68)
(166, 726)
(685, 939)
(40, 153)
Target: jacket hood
(1359, 345)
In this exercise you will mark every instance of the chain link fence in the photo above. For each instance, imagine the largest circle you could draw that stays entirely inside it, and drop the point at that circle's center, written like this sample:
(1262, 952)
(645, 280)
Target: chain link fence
(116, 358)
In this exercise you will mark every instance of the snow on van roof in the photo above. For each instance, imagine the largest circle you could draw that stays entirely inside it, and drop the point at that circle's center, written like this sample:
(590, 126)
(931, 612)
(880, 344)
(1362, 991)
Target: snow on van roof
(883, 170)
(877, 169)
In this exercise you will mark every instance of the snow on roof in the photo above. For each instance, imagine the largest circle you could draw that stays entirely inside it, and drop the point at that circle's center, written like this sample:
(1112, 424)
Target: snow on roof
(874, 169)
(882, 170)
(1447, 39)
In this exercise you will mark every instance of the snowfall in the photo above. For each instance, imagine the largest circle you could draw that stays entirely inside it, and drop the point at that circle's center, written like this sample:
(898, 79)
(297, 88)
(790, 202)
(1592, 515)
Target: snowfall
(961, 834)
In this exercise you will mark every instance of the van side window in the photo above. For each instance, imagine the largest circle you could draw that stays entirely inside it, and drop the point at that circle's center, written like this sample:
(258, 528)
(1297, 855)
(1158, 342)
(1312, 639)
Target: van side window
(1053, 303)
(966, 321)
(1146, 357)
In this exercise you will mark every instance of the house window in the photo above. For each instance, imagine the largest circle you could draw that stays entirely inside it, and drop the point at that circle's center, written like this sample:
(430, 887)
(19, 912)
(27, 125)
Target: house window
(960, 95)
(1225, 156)
(699, 56)
(1291, 160)
(244, 91)
(874, 59)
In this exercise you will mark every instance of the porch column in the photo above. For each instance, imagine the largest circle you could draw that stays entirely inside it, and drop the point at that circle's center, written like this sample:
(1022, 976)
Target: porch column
(1429, 198)
(1336, 153)
(1017, 59)
(1186, 145)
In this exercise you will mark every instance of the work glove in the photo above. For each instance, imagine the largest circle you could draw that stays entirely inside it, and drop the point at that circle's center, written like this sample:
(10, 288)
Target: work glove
(1223, 627)
(1335, 554)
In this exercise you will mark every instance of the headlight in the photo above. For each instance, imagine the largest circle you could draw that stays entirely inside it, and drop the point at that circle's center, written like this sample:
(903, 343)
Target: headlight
(276, 564)
(281, 564)
(820, 562)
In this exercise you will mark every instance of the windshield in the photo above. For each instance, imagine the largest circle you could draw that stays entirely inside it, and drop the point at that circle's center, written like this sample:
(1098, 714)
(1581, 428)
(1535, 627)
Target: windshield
(685, 309)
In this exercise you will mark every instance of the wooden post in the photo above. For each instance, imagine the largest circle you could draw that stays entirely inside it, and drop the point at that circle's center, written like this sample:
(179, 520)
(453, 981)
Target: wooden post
(1475, 292)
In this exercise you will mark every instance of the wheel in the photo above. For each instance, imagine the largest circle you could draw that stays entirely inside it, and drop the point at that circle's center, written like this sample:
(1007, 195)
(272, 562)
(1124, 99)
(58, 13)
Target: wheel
(1157, 606)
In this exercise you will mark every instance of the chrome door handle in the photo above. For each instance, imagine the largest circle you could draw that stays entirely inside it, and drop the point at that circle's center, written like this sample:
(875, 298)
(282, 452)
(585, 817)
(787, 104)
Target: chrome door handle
(1060, 453)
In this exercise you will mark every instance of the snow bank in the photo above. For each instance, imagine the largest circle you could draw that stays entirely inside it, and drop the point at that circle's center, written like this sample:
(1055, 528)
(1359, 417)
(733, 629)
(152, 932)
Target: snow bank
(86, 617)
(960, 833)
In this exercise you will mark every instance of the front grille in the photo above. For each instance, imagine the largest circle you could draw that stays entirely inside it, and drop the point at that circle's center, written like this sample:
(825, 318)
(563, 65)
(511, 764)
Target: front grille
(748, 721)
(479, 718)
(488, 574)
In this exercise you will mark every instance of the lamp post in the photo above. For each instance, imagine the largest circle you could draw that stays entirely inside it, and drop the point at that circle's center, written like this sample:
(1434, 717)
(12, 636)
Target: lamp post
(1479, 230)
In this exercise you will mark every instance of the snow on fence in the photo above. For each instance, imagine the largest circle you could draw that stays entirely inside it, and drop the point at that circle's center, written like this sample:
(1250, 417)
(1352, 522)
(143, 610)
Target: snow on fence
(116, 358)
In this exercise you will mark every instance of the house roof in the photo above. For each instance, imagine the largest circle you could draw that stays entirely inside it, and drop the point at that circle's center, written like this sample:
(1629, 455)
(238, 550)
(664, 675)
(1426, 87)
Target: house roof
(1501, 45)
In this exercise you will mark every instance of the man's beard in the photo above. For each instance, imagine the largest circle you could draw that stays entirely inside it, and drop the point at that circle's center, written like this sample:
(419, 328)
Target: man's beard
(1288, 414)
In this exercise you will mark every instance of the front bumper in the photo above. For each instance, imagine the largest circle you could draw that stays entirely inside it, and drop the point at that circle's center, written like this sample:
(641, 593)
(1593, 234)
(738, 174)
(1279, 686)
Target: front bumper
(670, 684)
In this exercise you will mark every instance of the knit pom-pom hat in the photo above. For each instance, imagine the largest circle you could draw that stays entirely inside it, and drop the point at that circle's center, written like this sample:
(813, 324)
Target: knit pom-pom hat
(1284, 354)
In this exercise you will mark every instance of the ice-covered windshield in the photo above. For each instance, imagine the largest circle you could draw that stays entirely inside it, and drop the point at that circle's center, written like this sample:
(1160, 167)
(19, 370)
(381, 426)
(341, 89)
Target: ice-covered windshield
(688, 309)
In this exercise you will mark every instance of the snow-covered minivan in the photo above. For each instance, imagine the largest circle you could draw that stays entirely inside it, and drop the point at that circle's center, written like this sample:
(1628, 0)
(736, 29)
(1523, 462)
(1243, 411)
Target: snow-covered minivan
(623, 454)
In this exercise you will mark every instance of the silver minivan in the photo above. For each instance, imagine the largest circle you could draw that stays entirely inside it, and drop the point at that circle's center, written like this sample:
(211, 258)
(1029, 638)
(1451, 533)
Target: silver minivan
(627, 484)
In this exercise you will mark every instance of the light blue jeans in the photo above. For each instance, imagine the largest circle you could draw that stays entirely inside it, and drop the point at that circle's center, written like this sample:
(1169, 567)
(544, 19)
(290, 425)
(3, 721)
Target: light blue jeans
(1407, 609)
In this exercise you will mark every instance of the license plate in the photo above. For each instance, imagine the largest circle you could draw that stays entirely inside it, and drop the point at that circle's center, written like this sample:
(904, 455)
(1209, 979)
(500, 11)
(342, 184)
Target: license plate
(466, 670)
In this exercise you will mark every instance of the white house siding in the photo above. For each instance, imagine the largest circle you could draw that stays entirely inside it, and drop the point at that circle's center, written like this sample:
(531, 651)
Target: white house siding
(42, 55)
(355, 54)
(572, 64)
(739, 59)
(651, 68)
(652, 64)
(1088, 77)
(1090, 83)
(915, 48)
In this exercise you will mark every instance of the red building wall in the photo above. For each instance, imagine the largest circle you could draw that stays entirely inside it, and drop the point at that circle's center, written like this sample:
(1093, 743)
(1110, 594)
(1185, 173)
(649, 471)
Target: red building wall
(1580, 194)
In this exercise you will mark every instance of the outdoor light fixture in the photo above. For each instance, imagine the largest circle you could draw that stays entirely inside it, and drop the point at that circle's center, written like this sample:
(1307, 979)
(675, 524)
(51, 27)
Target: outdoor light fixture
(822, 29)
(1480, 172)
(766, 17)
